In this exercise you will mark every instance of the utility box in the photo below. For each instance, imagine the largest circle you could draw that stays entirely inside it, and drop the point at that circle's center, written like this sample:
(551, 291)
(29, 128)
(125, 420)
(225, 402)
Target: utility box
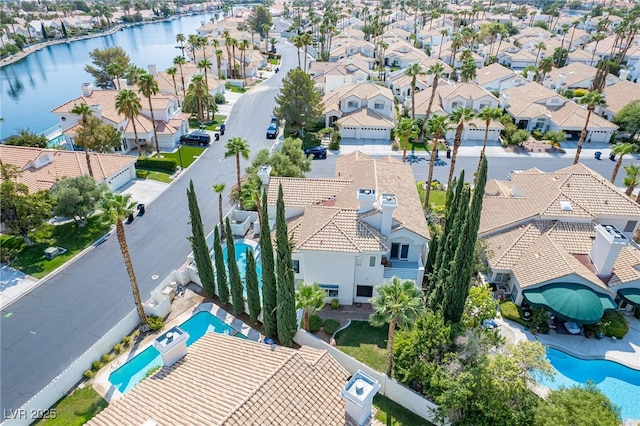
(53, 252)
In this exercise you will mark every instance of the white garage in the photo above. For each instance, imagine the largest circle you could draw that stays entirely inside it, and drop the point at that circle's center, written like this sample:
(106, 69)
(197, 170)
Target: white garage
(365, 124)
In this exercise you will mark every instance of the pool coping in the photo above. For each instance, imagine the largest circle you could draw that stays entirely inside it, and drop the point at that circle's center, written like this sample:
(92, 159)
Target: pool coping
(109, 392)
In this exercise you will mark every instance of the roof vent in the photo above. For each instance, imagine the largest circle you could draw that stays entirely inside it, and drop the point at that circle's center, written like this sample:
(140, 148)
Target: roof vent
(565, 206)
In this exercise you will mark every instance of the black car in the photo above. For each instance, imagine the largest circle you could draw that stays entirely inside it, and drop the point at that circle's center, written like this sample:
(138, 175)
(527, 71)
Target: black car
(196, 138)
(317, 152)
(273, 130)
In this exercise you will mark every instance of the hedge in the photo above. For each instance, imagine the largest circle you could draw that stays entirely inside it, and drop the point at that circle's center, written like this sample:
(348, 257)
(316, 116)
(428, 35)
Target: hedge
(615, 324)
(510, 311)
(165, 164)
(315, 322)
(331, 326)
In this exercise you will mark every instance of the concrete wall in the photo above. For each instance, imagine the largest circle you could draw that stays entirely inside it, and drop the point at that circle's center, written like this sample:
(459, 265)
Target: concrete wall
(390, 388)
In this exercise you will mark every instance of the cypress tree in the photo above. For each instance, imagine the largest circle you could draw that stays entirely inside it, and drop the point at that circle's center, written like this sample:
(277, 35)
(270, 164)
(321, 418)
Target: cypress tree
(199, 245)
(431, 256)
(221, 273)
(286, 312)
(253, 293)
(237, 297)
(269, 292)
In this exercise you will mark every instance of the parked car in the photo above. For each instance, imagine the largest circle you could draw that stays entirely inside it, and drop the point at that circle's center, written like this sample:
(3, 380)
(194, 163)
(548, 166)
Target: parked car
(317, 152)
(273, 130)
(199, 138)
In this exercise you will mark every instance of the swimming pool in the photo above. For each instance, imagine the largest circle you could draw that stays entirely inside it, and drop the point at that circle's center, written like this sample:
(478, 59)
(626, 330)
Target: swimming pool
(241, 259)
(620, 383)
(132, 373)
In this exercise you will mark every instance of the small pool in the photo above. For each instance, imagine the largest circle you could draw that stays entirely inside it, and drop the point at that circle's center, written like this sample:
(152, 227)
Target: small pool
(136, 369)
(241, 260)
(620, 383)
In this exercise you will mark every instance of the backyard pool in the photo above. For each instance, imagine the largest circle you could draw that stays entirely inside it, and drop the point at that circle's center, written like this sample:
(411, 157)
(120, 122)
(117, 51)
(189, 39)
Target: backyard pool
(241, 260)
(136, 369)
(621, 384)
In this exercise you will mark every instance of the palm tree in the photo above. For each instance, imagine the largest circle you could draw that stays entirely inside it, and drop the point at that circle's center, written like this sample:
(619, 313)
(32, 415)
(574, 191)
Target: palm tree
(227, 44)
(436, 127)
(84, 111)
(180, 38)
(487, 114)
(458, 117)
(196, 97)
(413, 71)
(234, 44)
(299, 44)
(621, 149)
(591, 100)
(407, 129)
(180, 61)
(117, 207)
(383, 47)
(456, 43)
(306, 41)
(397, 303)
(597, 37)
(128, 104)
(172, 72)
(116, 69)
(148, 87)
(204, 65)
(245, 46)
(310, 298)
(219, 62)
(237, 147)
(219, 189)
(469, 70)
(544, 67)
(633, 177)
(444, 33)
(436, 70)
(539, 47)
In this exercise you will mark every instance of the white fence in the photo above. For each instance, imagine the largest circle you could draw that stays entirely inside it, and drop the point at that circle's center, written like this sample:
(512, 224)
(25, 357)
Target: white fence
(390, 388)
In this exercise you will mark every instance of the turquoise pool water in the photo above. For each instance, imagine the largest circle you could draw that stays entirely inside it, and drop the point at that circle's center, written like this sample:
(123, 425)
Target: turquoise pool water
(131, 373)
(241, 259)
(621, 384)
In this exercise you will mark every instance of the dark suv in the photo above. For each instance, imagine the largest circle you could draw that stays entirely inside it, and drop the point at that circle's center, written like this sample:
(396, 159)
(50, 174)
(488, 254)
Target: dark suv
(317, 152)
(196, 138)
(272, 131)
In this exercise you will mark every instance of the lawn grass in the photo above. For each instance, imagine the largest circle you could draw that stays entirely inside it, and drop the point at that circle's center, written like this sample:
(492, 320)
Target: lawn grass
(212, 125)
(76, 408)
(365, 343)
(31, 261)
(274, 61)
(188, 154)
(391, 413)
(163, 177)
(237, 89)
(437, 198)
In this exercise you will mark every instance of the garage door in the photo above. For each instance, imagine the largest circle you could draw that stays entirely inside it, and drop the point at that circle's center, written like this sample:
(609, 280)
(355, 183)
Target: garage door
(348, 132)
(119, 179)
(374, 133)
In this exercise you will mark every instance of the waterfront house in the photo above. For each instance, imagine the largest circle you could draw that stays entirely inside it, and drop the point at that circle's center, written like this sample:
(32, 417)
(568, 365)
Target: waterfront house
(562, 236)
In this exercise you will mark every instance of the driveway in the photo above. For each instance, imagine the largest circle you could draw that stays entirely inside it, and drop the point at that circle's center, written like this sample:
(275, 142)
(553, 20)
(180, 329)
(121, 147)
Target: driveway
(13, 284)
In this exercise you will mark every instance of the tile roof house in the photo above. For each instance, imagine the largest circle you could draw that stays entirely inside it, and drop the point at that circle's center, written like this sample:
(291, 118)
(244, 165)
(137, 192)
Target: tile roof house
(574, 76)
(361, 111)
(535, 107)
(496, 77)
(566, 231)
(170, 122)
(223, 380)
(330, 76)
(357, 230)
(42, 168)
(618, 95)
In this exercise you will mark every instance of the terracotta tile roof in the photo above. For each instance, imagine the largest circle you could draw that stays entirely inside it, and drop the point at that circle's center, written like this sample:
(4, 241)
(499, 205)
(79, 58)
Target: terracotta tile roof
(332, 100)
(58, 165)
(620, 94)
(465, 90)
(365, 117)
(252, 384)
(302, 192)
(627, 268)
(494, 72)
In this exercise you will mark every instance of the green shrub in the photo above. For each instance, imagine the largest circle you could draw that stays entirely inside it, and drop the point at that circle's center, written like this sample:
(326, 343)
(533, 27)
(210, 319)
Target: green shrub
(219, 99)
(510, 311)
(142, 174)
(614, 324)
(315, 322)
(96, 365)
(578, 93)
(117, 348)
(569, 93)
(537, 134)
(334, 145)
(165, 164)
(331, 326)
(106, 358)
(88, 374)
(335, 303)
(126, 341)
(152, 370)
(395, 146)
(155, 323)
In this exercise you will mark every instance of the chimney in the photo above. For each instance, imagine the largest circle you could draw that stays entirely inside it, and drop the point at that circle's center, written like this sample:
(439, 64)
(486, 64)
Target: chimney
(172, 345)
(153, 69)
(388, 203)
(530, 75)
(263, 173)
(87, 89)
(606, 247)
(560, 81)
(358, 394)
(122, 83)
(624, 74)
(366, 199)
(97, 110)
(504, 100)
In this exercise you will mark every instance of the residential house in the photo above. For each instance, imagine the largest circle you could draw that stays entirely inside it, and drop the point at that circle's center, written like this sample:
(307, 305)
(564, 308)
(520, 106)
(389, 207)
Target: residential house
(534, 107)
(400, 84)
(355, 231)
(574, 76)
(516, 58)
(496, 77)
(360, 111)
(42, 168)
(401, 54)
(330, 76)
(352, 48)
(581, 56)
(562, 235)
(618, 95)
(446, 55)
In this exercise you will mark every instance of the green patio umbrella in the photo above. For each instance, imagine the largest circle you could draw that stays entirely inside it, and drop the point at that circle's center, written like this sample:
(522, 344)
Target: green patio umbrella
(631, 295)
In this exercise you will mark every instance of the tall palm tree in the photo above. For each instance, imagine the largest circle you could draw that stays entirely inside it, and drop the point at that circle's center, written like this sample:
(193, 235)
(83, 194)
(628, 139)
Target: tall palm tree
(180, 61)
(117, 207)
(227, 44)
(128, 104)
(407, 129)
(444, 33)
(172, 72)
(310, 298)
(205, 64)
(219, 62)
(591, 100)
(149, 87)
(246, 46)
(487, 114)
(458, 117)
(84, 111)
(539, 47)
(456, 43)
(544, 67)
(299, 44)
(306, 42)
(597, 37)
(116, 69)
(397, 303)
(219, 189)
(234, 44)
(237, 147)
(436, 127)
(436, 71)
(180, 38)
(196, 97)
(383, 45)
(621, 149)
(632, 179)
(413, 71)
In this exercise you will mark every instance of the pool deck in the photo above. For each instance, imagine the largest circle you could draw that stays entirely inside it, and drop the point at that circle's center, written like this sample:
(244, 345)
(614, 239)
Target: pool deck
(101, 382)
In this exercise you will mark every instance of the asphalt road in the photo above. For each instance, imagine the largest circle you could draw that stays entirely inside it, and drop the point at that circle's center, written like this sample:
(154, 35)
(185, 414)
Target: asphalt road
(47, 329)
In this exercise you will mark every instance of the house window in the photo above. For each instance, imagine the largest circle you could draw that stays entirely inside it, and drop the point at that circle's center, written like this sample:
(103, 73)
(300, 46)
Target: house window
(483, 106)
(295, 264)
(455, 105)
(502, 278)
(352, 104)
(378, 106)
(332, 290)
(372, 261)
(631, 225)
(364, 290)
(399, 251)
(358, 260)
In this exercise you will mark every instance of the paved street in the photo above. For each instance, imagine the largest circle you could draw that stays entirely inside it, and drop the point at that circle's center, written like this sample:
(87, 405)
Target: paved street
(47, 329)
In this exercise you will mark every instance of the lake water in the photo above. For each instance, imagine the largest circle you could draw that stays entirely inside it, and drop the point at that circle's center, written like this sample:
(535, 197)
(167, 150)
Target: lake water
(35, 85)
